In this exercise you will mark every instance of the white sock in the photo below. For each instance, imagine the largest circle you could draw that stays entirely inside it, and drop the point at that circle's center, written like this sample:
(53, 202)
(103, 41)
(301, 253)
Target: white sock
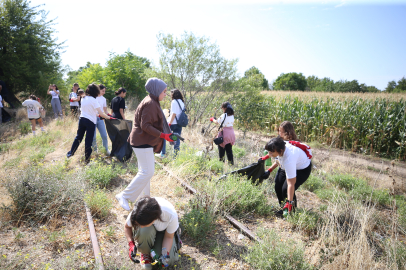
(42, 129)
(33, 132)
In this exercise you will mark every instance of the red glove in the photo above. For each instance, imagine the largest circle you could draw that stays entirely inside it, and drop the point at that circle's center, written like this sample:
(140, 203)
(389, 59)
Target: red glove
(109, 115)
(70, 100)
(262, 159)
(112, 118)
(166, 137)
(212, 119)
(131, 244)
(169, 124)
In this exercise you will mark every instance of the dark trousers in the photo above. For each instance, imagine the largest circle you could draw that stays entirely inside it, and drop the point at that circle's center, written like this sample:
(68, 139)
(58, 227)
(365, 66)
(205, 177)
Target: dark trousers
(281, 185)
(74, 110)
(88, 127)
(6, 98)
(229, 150)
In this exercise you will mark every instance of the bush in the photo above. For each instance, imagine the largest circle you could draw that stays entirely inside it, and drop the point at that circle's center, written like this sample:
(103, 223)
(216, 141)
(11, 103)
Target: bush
(198, 222)
(98, 202)
(275, 252)
(24, 128)
(238, 152)
(313, 183)
(215, 165)
(40, 194)
(100, 174)
(330, 194)
(347, 181)
(395, 254)
(305, 220)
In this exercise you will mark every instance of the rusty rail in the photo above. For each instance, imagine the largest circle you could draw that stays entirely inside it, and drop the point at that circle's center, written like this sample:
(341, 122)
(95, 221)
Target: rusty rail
(93, 237)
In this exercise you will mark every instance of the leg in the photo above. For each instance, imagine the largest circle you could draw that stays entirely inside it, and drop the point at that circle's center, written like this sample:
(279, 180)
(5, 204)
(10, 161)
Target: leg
(90, 130)
(229, 151)
(222, 152)
(177, 129)
(163, 151)
(301, 177)
(173, 253)
(145, 238)
(103, 133)
(33, 123)
(94, 143)
(78, 139)
(59, 107)
(146, 169)
(54, 108)
(280, 180)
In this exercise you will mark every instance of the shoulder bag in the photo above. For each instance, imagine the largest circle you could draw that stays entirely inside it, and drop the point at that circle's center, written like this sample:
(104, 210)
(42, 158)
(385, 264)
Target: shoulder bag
(219, 139)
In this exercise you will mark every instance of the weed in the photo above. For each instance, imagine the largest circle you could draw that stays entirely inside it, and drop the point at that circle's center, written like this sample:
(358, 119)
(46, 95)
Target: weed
(110, 232)
(4, 147)
(198, 222)
(178, 191)
(346, 181)
(313, 183)
(215, 165)
(100, 174)
(305, 220)
(330, 194)
(13, 163)
(238, 152)
(276, 252)
(17, 234)
(98, 202)
(216, 249)
(24, 128)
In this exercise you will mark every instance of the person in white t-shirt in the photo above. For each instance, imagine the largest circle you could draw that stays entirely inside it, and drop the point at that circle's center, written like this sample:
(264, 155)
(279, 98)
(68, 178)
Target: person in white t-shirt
(227, 132)
(100, 123)
(155, 222)
(55, 101)
(74, 99)
(177, 105)
(87, 121)
(295, 168)
(33, 112)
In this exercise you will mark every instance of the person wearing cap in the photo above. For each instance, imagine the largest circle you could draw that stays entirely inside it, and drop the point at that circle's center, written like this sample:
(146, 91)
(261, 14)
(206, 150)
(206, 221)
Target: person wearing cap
(149, 131)
(100, 123)
(227, 120)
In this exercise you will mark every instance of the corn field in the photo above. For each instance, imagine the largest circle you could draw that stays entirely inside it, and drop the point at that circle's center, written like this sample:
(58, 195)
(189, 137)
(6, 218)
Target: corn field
(372, 126)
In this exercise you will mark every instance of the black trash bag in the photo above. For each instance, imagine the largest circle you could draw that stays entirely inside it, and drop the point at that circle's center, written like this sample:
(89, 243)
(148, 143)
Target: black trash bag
(253, 172)
(6, 116)
(118, 131)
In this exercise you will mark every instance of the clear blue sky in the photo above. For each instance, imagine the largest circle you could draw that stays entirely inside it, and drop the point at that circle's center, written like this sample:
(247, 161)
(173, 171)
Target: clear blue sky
(361, 40)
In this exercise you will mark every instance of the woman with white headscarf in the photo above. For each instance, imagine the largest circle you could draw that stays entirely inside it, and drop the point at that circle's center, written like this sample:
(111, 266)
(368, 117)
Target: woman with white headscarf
(149, 131)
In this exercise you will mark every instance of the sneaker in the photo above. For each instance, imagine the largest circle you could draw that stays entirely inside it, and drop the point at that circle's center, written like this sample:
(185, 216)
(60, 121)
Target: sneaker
(123, 202)
(146, 261)
(160, 155)
(68, 155)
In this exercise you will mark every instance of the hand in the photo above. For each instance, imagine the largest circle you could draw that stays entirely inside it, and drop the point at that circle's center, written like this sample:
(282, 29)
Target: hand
(132, 251)
(166, 137)
(260, 160)
(169, 125)
(212, 119)
(265, 175)
(164, 259)
(109, 115)
(112, 118)
(71, 100)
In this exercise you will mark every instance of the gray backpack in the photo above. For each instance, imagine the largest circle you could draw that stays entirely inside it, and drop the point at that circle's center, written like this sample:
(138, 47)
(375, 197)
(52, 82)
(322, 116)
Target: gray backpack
(182, 120)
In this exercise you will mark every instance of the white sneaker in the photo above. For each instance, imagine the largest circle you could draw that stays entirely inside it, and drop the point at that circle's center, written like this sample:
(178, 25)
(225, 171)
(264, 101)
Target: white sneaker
(160, 155)
(123, 202)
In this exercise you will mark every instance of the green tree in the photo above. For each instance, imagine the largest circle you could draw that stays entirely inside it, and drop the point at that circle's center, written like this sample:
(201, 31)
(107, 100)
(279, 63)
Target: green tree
(391, 86)
(254, 72)
(347, 86)
(290, 81)
(29, 55)
(194, 66)
(312, 82)
(401, 86)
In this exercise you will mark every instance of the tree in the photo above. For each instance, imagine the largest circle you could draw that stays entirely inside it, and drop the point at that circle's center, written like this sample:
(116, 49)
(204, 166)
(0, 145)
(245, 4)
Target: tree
(312, 82)
(29, 55)
(194, 66)
(290, 81)
(254, 72)
(401, 86)
(390, 87)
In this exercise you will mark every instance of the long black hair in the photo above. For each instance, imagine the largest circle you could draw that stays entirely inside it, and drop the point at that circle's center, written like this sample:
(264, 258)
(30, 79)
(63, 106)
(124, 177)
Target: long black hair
(120, 90)
(92, 90)
(146, 210)
(176, 94)
(229, 110)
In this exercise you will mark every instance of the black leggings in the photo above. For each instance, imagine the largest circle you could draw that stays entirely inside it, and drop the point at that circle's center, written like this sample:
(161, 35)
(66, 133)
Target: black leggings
(229, 150)
(281, 185)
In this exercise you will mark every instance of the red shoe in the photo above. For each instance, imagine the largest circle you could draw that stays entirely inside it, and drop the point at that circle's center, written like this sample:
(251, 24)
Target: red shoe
(146, 261)
(287, 209)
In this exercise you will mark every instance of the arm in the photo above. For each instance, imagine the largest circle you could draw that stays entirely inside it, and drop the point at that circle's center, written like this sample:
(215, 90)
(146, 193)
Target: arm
(102, 114)
(128, 232)
(172, 117)
(122, 113)
(291, 188)
(273, 167)
(147, 118)
(105, 110)
(168, 240)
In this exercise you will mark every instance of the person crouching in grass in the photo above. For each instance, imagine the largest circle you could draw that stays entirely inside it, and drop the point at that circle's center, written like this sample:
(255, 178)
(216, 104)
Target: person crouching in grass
(87, 121)
(33, 112)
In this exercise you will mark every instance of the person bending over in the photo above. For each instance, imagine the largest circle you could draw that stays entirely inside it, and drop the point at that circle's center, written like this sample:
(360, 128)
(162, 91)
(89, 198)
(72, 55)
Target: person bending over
(153, 223)
(33, 112)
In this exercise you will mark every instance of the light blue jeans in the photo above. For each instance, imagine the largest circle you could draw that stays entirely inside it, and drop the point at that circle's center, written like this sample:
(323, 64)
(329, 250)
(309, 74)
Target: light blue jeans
(175, 129)
(103, 133)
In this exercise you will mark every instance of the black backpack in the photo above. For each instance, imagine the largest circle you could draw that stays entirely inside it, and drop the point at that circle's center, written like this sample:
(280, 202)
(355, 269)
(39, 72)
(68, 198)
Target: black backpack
(182, 120)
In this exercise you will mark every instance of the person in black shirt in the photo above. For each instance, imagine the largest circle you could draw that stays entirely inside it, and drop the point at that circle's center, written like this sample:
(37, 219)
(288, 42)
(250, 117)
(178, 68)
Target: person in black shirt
(4, 93)
(118, 104)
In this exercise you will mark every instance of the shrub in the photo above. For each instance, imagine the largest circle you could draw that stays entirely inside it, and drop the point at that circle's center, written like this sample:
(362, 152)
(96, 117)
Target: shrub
(395, 254)
(215, 165)
(330, 194)
(39, 194)
(198, 222)
(100, 174)
(238, 152)
(24, 128)
(305, 220)
(313, 183)
(346, 181)
(275, 252)
(98, 202)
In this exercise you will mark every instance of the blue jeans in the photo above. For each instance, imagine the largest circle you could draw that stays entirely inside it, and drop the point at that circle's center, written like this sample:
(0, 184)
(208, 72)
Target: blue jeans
(103, 133)
(88, 127)
(175, 129)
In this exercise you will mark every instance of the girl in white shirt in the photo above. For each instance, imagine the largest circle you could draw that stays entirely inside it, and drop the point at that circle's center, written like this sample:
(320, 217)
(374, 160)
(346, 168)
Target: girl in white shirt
(87, 121)
(33, 112)
(227, 132)
(155, 222)
(55, 101)
(100, 123)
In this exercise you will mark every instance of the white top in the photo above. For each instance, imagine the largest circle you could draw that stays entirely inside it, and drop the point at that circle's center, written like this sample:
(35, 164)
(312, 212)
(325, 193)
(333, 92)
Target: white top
(169, 216)
(54, 94)
(33, 107)
(1, 103)
(102, 102)
(89, 108)
(73, 95)
(229, 120)
(176, 110)
(293, 159)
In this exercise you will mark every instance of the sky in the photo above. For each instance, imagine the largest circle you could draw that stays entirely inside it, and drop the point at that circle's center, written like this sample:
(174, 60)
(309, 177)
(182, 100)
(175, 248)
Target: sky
(343, 40)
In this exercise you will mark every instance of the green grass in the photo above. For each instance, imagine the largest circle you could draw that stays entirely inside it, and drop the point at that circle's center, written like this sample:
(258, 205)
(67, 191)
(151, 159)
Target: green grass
(100, 174)
(24, 127)
(12, 163)
(331, 194)
(98, 202)
(308, 221)
(198, 222)
(313, 183)
(238, 152)
(276, 252)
